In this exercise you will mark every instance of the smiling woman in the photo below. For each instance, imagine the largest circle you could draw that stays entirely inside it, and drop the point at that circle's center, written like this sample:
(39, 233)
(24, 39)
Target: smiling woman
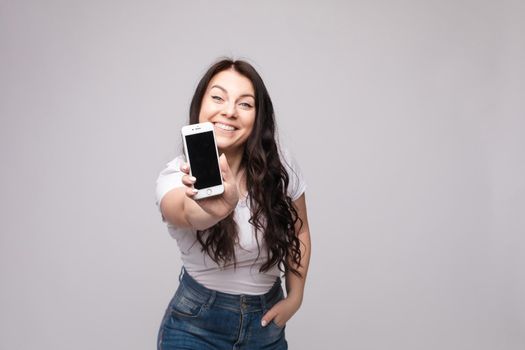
(236, 246)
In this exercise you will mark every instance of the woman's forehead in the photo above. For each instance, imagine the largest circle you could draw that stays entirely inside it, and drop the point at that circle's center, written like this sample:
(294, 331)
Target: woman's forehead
(231, 82)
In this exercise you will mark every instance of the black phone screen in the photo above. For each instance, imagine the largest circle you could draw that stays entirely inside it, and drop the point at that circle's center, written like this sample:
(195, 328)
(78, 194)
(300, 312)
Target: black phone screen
(203, 159)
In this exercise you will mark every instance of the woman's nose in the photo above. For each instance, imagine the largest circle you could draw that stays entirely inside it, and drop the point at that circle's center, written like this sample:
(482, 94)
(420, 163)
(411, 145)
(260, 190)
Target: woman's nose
(229, 110)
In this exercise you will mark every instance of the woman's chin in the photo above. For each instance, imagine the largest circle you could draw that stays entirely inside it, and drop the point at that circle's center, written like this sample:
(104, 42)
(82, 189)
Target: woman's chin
(223, 142)
(226, 147)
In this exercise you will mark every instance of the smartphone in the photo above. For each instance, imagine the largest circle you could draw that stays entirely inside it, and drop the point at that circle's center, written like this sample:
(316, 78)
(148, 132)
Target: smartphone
(202, 155)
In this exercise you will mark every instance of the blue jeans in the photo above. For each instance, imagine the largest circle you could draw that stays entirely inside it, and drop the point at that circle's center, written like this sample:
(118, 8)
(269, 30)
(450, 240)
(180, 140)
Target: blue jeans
(198, 318)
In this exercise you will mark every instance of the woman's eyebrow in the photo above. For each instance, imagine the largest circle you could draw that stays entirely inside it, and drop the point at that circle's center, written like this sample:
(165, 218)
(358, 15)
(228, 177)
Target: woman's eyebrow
(247, 95)
(225, 91)
(219, 87)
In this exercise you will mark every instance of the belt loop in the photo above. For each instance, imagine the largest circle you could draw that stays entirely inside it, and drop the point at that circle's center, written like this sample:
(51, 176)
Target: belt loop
(181, 273)
(263, 303)
(211, 298)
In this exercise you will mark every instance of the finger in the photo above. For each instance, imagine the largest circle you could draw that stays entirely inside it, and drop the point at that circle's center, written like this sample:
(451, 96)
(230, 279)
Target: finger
(188, 180)
(191, 192)
(225, 168)
(185, 168)
(268, 317)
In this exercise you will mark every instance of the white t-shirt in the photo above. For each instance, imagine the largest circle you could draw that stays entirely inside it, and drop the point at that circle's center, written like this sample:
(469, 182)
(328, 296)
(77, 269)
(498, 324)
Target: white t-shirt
(246, 278)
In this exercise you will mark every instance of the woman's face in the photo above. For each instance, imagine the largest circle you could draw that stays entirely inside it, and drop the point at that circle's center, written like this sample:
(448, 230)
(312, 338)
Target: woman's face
(229, 103)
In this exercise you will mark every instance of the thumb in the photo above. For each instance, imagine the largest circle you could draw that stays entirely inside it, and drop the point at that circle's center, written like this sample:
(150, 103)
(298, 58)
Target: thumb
(268, 317)
(225, 168)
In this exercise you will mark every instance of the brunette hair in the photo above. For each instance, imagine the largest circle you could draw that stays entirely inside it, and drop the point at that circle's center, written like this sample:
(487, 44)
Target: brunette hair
(272, 211)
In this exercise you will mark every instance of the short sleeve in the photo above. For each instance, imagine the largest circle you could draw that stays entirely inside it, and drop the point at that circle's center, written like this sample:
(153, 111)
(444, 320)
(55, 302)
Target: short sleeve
(297, 184)
(169, 178)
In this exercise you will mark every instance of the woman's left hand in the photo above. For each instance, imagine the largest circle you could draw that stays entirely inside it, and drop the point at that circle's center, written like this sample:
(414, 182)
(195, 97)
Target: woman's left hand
(281, 312)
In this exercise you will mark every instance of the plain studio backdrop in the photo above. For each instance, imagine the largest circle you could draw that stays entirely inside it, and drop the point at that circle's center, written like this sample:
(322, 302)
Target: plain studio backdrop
(407, 117)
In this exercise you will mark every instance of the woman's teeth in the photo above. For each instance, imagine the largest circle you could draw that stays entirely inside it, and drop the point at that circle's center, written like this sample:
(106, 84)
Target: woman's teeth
(224, 126)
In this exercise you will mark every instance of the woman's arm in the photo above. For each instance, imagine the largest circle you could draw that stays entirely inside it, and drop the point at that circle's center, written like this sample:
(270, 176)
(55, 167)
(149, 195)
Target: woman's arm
(295, 284)
(286, 308)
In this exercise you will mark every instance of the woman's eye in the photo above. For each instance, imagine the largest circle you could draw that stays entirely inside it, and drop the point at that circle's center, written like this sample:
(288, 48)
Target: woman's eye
(245, 105)
(217, 98)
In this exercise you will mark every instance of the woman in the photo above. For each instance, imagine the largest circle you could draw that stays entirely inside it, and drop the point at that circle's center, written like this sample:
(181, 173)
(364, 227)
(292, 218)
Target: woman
(235, 246)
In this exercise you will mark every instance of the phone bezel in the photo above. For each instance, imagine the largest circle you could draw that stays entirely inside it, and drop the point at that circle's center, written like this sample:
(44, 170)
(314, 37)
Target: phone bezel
(193, 129)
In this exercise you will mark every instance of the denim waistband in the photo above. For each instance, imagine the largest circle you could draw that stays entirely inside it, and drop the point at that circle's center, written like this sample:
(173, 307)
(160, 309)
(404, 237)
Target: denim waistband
(234, 302)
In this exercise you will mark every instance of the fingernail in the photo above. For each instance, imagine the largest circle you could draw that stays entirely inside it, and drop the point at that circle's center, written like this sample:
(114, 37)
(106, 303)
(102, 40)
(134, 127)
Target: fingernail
(193, 178)
(264, 323)
(195, 191)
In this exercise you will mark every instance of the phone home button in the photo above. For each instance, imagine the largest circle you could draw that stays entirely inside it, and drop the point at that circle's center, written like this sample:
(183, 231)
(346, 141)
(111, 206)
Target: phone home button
(208, 191)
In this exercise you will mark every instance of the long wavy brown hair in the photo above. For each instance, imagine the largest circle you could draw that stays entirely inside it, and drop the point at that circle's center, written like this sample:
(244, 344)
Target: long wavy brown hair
(272, 211)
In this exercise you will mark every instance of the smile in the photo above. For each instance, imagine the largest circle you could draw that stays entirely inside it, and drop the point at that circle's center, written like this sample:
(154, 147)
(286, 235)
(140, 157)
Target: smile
(224, 127)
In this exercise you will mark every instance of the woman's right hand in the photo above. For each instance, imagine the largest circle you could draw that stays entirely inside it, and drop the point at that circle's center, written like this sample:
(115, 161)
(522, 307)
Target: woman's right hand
(218, 206)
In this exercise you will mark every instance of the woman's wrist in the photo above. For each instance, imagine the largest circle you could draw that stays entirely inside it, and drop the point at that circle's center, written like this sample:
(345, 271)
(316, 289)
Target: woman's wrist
(296, 298)
(198, 218)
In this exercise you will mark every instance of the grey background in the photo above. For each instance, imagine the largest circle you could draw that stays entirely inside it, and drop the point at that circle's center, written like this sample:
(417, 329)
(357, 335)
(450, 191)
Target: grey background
(406, 116)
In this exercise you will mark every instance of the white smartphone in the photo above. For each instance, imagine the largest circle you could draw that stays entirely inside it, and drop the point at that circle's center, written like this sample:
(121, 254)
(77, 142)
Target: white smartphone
(202, 155)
